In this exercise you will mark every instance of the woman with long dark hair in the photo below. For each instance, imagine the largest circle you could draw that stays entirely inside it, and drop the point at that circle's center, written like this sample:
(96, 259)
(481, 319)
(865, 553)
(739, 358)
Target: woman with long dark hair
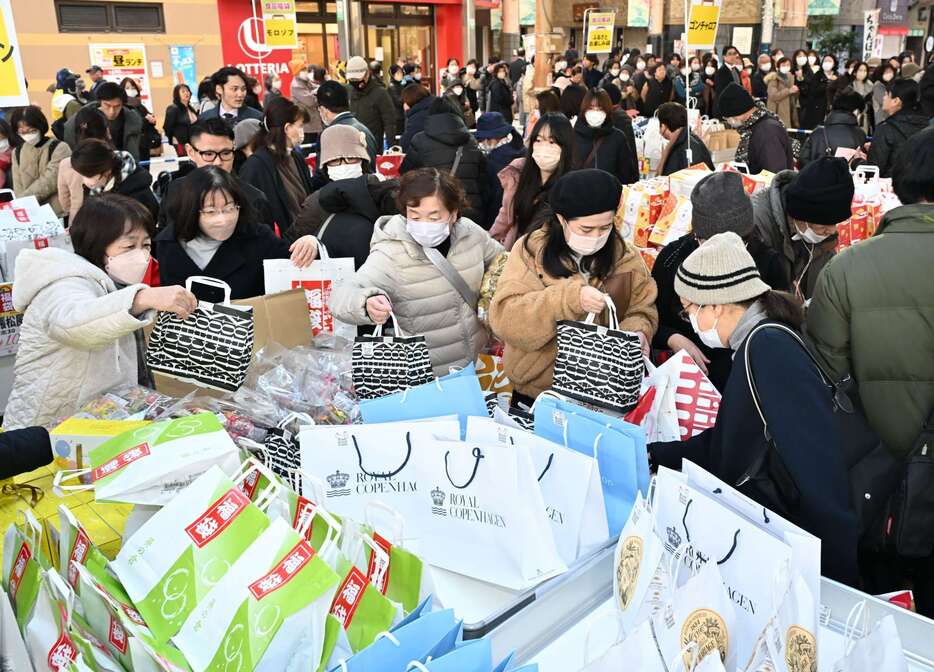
(106, 170)
(151, 140)
(90, 122)
(179, 116)
(599, 144)
(813, 95)
(527, 181)
(500, 92)
(563, 270)
(277, 167)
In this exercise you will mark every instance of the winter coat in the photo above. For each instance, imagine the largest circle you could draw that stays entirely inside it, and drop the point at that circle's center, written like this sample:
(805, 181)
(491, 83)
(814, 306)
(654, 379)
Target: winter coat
(6, 165)
(70, 189)
(812, 99)
(138, 186)
(760, 87)
(257, 200)
(23, 450)
(802, 261)
(436, 147)
(871, 317)
(529, 303)
(623, 122)
(840, 129)
(890, 135)
(372, 106)
(769, 147)
(177, 124)
(305, 93)
(496, 162)
(423, 300)
(612, 152)
(353, 206)
(780, 98)
(837, 86)
(504, 229)
(261, 170)
(245, 112)
(725, 76)
(238, 261)
(500, 99)
(675, 154)
(131, 139)
(879, 89)
(669, 305)
(395, 92)
(654, 94)
(76, 341)
(35, 171)
(927, 91)
(799, 411)
(529, 102)
(415, 120)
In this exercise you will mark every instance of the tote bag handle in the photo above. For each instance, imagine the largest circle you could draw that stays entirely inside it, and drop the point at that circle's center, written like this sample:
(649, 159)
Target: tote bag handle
(211, 282)
(611, 308)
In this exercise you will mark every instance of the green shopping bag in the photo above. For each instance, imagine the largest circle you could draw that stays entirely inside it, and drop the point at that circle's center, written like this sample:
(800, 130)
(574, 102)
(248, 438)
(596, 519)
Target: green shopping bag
(176, 557)
(21, 566)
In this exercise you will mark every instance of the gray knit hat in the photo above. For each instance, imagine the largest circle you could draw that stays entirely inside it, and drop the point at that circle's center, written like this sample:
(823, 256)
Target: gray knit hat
(245, 131)
(719, 203)
(718, 272)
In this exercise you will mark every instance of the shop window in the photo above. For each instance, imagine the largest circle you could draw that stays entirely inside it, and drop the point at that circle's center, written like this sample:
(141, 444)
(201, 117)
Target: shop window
(109, 17)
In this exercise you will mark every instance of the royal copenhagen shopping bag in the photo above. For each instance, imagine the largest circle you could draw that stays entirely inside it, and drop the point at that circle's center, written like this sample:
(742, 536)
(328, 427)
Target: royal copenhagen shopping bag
(212, 347)
(267, 611)
(391, 652)
(791, 637)
(569, 481)
(633, 649)
(319, 280)
(149, 465)
(178, 555)
(364, 463)
(383, 365)
(636, 563)
(21, 566)
(599, 365)
(485, 517)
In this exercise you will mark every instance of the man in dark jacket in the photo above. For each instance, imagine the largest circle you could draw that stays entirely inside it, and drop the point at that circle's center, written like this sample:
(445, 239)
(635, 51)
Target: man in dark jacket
(797, 217)
(840, 129)
(621, 120)
(673, 121)
(517, 67)
(96, 74)
(230, 87)
(927, 91)
(444, 143)
(416, 99)
(126, 126)
(371, 103)
(592, 75)
(763, 140)
(502, 145)
(334, 106)
(904, 119)
(728, 73)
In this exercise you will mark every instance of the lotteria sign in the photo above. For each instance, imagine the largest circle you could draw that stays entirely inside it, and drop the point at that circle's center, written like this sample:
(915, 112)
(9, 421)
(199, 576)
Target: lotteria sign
(243, 43)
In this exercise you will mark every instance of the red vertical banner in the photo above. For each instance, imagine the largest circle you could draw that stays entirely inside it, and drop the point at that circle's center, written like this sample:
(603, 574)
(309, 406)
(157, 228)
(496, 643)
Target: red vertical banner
(243, 43)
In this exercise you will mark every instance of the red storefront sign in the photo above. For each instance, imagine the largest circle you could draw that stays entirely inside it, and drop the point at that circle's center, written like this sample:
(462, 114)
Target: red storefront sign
(243, 43)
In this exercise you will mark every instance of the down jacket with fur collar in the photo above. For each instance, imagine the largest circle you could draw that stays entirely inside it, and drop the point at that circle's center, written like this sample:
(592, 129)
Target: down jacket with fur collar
(423, 301)
(76, 341)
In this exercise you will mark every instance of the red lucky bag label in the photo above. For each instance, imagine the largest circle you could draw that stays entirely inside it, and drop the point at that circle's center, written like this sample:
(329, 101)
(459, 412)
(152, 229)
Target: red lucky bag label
(318, 293)
(377, 571)
(217, 518)
(79, 552)
(19, 568)
(62, 653)
(303, 509)
(248, 486)
(300, 555)
(127, 457)
(117, 635)
(348, 597)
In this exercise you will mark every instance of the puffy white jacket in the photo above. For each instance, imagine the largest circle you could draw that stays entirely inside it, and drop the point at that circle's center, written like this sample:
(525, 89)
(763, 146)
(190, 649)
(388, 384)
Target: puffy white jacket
(424, 302)
(76, 341)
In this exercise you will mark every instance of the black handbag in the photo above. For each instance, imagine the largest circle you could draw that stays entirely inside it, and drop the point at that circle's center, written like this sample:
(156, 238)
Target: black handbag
(909, 525)
(872, 471)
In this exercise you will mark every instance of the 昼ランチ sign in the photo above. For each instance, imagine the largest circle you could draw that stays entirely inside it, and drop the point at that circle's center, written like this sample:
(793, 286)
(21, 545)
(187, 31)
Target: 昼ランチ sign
(702, 25)
(124, 60)
(600, 32)
(12, 80)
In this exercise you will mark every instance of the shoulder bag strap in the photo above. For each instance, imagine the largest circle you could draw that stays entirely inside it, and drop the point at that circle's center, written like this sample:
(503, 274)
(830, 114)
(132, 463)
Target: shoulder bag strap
(593, 152)
(320, 234)
(457, 160)
(452, 276)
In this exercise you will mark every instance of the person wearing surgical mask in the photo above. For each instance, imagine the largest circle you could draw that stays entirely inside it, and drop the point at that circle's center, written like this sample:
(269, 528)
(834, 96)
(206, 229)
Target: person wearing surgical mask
(883, 78)
(272, 87)
(658, 89)
(813, 96)
(782, 93)
(797, 216)
(214, 232)
(575, 263)
(763, 139)
(6, 154)
(84, 313)
(424, 271)
(150, 140)
(760, 88)
(785, 413)
(34, 169)
(451, 73)
(599, 144)
(105, 170)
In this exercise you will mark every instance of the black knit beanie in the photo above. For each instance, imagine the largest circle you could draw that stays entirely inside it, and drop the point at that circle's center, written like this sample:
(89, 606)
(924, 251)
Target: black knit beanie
(585, 192)
(822, 193)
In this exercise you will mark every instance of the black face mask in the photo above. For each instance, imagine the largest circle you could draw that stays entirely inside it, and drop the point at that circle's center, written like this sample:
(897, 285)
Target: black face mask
(360, 84)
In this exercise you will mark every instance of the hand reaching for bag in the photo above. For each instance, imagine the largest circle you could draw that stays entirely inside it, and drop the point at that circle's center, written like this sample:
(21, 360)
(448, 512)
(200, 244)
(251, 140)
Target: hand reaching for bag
(174, 299)
(592, 300)
(378, 308)
(680, 342)
(304, 250)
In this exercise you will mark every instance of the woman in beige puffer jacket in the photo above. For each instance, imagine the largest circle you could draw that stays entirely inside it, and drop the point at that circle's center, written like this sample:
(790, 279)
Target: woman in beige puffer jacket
(423, 301)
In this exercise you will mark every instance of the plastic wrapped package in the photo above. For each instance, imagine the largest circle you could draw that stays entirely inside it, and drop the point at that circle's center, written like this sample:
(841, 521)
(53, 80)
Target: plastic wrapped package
(130, 402)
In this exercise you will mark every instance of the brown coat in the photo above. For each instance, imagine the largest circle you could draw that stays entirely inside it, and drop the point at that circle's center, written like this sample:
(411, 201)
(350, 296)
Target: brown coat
(528, 305)
(781, 100)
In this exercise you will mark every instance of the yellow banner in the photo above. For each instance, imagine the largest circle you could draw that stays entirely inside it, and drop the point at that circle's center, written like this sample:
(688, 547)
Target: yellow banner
(600, 32)
(12, 81)
(702, 26)
(280, 24)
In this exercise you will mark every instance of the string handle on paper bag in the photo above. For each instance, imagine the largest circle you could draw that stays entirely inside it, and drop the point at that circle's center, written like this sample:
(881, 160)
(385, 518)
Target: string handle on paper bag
(478, 455)
(397, 330)
(270, 492)
(611, 307)
(388, 474)
(397, 517)
(856, 621)
(303, 481)
(68, 475)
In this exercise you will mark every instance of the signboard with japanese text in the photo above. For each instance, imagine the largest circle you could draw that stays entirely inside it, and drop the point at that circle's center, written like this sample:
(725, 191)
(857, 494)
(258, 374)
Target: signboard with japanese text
(279, 24)
(124, 60)
(872, 40)
(600, 32)
(702, 25)
(893, 17)
(243, 43)
(12, 80)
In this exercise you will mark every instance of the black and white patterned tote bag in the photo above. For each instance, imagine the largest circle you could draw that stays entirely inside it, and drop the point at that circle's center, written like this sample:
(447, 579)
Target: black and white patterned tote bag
(384, 365)
(596, 365)
(213, 347)
(280, 446)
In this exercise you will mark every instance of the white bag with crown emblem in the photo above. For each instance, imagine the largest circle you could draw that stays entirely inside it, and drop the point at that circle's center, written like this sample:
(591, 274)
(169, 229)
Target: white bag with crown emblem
(639, 567)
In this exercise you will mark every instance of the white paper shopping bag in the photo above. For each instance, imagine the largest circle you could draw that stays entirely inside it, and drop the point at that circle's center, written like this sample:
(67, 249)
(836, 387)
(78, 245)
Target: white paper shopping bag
(319, 280)
(485, 516)
(636, 563)
(873, 649)
(569, 481)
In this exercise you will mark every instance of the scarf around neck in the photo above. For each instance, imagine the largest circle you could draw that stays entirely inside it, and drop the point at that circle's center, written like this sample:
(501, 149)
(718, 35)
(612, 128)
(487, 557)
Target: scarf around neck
(745, 131)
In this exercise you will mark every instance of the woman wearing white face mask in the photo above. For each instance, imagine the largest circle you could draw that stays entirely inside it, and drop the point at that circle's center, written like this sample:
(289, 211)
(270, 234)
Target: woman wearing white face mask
(103, 169)
(36, 159)
(782, 92)
(85, 312)
(729, 306)
(564, 270)
(813, 96)
(599, 144)
(213, 232)
(412, 256)
(151, 140)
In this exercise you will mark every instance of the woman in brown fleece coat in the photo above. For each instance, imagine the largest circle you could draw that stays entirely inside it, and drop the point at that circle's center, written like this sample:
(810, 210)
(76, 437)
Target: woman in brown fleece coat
(561, 272)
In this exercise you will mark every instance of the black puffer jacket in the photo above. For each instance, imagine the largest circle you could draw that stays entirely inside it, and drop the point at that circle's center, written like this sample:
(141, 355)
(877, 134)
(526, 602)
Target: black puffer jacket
(812, 98)
(890, 135)
(838, 130)
(436, 147)
(612, 152)
(415, 121)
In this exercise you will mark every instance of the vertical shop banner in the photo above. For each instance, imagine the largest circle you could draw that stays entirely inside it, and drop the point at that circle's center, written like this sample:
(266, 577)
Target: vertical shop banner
(637, 14)
(243, 43)
(526, 13)
(124, 60)
(893, 17)
(600, 32)
(823, 7)
(12, 80)
(702, 25)
(279, 24)
(872, 40)
(183, 66)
